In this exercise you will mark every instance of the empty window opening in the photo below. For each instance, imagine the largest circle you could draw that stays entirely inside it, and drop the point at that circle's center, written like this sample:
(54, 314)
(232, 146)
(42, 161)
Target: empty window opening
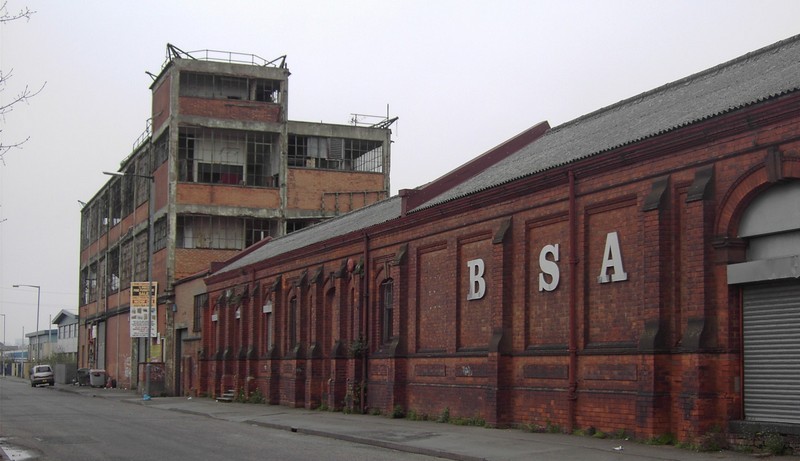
(294, 225)
(199, 85)
(89, 288)
(335, 153)
(258, 229)
(113, 270)
(142, 182)
(227, 157)
(115, 205)
(221, 232)
(127, 192)
(160, 234)
(126, 264)
(140, 265)
(265, 90)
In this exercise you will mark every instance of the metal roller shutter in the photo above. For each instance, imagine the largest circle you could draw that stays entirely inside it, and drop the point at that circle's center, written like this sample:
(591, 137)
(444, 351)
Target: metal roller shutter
(772, 353)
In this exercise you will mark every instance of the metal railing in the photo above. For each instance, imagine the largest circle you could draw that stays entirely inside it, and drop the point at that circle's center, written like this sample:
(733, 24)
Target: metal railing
(173, 52)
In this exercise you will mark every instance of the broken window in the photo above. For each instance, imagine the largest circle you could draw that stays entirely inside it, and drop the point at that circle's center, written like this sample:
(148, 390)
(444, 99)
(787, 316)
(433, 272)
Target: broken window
(113, 270)
(364, 155)
(266, 90)
(142, 183)
(84, 227)
(126, 264)
(102, 214)
(231, 87)
(227, 157)
(101, 279)
(335, 153)
(90, 287)
(199, 85)
(115, 201)
(160, 234)
(294, 225)
(259, 150)
(140, 256)
(186, 141)
(219, 173)
(84, 287)
(91, 224)
(126, 195)
(221, 232)
(161, 150)
(258, 229)
(297, 150)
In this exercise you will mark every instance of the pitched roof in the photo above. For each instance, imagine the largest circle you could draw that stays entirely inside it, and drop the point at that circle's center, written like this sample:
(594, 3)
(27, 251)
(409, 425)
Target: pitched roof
(362, 218)
(757, 76)
(65, 317)
(763, 74)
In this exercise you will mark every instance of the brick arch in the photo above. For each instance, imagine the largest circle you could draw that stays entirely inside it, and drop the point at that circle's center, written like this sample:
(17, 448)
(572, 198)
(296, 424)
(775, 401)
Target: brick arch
(739, 196)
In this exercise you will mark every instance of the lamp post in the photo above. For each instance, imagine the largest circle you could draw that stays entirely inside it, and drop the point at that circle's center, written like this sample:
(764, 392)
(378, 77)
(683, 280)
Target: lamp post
(150, 210)
(3, 352)
(38, 299)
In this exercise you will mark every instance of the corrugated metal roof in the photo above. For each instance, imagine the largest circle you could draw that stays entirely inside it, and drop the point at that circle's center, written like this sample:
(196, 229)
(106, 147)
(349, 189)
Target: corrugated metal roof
(374, 214)
(754, 77)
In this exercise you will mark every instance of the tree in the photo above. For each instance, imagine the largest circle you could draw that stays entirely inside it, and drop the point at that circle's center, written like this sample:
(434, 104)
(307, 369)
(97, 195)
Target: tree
(21, 97)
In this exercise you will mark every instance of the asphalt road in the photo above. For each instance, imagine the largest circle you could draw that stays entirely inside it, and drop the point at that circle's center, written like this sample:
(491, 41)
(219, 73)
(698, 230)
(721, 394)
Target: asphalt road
(44, 424)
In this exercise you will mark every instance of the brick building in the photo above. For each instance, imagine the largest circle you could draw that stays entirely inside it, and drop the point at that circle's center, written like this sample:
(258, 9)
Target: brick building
(219, 168)
(634, 269)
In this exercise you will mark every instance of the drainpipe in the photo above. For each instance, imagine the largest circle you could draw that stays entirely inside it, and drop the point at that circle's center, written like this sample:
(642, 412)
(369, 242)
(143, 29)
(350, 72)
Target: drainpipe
(573, 296)
(365, 321)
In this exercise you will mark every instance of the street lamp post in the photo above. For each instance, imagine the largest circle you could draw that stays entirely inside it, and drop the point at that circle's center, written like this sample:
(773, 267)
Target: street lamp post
(150, 211)
(38, 299)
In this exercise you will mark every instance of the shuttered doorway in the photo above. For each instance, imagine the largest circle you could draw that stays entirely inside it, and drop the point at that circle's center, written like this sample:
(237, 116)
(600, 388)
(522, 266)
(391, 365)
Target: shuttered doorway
(772, 352)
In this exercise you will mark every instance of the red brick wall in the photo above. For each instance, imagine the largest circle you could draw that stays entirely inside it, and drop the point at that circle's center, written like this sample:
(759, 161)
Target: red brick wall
(160, 104)
(656, 352)
(306, 187)
(189, 261)
(255, 111)
(222, 195)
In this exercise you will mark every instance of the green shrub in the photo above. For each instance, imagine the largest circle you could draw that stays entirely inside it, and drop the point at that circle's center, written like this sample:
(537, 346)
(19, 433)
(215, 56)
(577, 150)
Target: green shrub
(663, 439)
(775, 444)
(397, 412)
(256, 397)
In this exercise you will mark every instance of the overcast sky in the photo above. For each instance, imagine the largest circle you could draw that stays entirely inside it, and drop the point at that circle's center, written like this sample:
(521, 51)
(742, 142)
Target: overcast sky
(462, 76)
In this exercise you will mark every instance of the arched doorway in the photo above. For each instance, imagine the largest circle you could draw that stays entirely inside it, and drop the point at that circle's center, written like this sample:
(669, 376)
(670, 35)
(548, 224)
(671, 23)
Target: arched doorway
(770, 281)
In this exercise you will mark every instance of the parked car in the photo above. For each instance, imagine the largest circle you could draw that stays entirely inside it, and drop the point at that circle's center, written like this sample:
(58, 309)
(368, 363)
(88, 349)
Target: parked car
(42, 374)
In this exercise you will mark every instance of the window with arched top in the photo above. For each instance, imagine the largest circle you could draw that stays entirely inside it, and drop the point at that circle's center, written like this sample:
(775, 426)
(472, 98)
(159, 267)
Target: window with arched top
(387, 310)
(770, 290)
(292, 322)
(771, 228)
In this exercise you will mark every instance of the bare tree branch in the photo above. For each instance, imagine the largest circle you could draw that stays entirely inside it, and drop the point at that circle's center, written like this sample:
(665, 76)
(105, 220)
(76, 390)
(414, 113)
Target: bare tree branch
(5, 16)
(21, 97)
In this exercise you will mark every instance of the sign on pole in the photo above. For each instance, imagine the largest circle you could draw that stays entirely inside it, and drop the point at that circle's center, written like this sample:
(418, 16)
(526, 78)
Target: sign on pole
(139, 304)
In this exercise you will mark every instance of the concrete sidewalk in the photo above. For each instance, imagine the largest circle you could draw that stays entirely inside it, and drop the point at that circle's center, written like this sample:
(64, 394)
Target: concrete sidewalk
(446, 441)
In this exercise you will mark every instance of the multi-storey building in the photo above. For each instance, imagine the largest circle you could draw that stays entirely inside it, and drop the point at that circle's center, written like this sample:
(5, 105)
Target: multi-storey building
(219, 168)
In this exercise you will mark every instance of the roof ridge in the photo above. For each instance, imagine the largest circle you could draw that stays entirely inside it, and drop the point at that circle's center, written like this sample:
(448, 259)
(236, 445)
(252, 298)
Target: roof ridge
(677, 83)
